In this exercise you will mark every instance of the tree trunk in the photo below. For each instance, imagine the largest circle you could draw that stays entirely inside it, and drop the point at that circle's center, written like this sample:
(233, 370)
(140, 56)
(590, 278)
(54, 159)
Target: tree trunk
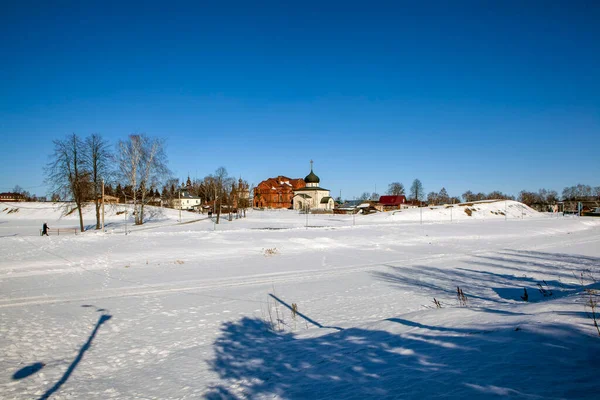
(80, 216)
(141, 220)
(97, 213)
(219, 212)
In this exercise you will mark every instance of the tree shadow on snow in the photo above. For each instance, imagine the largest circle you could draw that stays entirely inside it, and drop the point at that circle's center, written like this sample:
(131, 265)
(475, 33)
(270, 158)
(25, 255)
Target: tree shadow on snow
(36, 367)
(499, 278)
(404, 359)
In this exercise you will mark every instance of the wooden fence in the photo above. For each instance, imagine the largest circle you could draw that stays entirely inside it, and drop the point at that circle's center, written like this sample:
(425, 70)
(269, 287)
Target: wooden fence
(65, 231)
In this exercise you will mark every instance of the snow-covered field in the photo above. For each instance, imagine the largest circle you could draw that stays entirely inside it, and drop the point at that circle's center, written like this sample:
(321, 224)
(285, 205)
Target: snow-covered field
(183, 310)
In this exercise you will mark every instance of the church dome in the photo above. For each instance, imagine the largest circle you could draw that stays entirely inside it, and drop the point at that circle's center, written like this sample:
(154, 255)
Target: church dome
(312, 178)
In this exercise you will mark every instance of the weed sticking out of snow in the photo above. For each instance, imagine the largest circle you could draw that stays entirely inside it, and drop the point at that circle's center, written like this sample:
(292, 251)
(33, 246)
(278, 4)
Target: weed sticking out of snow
(270, 252)
(591, 296)
(462, 299)
(179, 262)
(545, 291)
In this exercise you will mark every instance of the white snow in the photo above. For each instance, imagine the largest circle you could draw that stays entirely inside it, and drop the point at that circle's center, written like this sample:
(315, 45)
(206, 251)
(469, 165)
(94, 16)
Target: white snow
(190, 310)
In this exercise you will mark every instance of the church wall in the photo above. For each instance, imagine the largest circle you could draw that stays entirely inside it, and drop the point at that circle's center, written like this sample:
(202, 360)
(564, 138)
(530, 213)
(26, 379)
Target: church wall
(276, 192)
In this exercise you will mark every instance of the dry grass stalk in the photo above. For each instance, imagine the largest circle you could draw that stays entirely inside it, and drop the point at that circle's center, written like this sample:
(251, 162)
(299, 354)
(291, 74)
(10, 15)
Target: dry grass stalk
(462, 299)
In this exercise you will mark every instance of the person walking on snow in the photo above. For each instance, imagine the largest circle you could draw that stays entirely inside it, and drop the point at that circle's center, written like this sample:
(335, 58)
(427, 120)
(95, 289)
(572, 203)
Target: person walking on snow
(45, 228)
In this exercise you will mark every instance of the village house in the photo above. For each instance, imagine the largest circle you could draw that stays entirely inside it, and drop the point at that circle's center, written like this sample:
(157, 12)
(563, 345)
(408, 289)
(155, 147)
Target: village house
(9, 196)
(387, 203)
(186, 201)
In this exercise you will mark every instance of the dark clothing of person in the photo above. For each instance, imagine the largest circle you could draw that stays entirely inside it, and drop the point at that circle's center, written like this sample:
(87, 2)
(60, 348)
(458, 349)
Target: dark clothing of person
(45, 229)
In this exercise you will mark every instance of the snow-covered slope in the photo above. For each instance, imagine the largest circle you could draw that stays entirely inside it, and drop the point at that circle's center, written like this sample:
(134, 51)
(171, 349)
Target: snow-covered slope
(190, 310)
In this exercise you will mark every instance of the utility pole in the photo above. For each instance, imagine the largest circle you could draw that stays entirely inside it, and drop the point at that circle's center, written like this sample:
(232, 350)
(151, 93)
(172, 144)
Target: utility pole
(102, 205)
(307, 208)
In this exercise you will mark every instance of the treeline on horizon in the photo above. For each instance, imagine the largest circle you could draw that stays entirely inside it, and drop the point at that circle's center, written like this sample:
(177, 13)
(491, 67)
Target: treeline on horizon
(416, 193)
(136, 170)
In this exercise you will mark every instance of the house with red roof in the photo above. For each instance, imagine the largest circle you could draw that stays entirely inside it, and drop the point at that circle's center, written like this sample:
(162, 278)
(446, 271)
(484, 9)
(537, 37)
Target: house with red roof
(392, 202)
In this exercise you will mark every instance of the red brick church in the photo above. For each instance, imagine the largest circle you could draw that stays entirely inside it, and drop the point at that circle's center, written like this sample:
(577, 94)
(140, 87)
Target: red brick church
(276, 192)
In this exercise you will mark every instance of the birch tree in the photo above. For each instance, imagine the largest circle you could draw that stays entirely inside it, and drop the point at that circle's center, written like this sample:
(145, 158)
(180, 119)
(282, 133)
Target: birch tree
(143, 165)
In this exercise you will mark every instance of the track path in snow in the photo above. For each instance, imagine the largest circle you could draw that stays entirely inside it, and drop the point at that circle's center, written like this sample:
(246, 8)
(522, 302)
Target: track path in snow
(196, 287)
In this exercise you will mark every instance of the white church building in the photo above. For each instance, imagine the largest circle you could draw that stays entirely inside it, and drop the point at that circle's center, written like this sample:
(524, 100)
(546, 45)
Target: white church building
(312, 196)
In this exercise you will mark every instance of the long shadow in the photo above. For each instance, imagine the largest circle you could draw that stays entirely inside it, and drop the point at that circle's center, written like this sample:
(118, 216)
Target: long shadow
(486, 276)
(437, 281)
(77, 360)
(435, 328)
(312, 321)
(570, 258)
(548, 267)
(396, 360)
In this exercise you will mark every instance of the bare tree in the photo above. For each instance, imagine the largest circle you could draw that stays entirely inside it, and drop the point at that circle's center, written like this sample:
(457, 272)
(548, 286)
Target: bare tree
(416, 190)
(222, 182)
(143, 165)
(66, 172)
(443, 197)
(98, 159)
(498, 195)
(433, 198)
(24, 193)
(364, 196)
(244, 196)
(578, 192)
(528, 198)
(395, 189)
(468, 196)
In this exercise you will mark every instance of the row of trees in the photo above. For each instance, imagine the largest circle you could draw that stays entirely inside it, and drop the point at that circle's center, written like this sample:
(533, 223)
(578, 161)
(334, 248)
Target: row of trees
(134, 172)
(542, 196)
(79, 166)
(581, 192)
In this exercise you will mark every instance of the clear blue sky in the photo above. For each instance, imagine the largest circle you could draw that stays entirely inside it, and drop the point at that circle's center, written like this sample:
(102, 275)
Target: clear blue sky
(475, 95)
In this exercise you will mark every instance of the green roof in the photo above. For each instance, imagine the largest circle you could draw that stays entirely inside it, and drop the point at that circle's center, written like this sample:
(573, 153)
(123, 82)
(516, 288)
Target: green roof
(312, 178)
